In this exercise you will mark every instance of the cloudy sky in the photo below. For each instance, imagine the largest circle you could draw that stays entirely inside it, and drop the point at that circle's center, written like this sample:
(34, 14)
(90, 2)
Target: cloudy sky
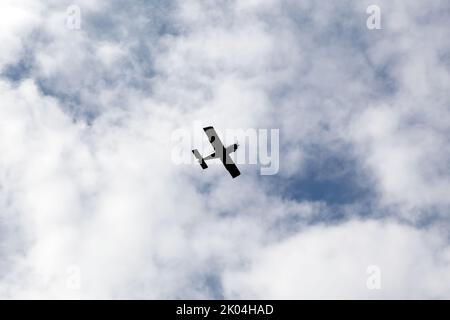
(92, 204)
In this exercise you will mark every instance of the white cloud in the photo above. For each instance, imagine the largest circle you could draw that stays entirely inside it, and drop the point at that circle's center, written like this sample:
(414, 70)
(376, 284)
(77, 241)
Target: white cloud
(86, 177)
(17, 19)
(331, 263)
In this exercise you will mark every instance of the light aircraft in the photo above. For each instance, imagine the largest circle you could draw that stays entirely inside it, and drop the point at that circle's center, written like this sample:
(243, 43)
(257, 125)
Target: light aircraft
(220, 152)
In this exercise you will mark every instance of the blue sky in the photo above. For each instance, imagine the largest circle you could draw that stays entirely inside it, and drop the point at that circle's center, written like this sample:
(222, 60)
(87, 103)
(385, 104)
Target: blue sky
(91, 205)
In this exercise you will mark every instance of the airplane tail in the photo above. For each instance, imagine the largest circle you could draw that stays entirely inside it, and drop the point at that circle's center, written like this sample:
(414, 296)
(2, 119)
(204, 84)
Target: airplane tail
(200, 159)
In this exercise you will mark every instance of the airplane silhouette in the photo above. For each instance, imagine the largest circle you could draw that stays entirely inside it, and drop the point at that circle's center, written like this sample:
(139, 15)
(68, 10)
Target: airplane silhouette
(220, 152)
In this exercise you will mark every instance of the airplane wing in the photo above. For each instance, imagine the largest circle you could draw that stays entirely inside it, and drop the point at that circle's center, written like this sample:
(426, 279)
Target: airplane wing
(230, 166)
(221, 152)
(214, 139)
